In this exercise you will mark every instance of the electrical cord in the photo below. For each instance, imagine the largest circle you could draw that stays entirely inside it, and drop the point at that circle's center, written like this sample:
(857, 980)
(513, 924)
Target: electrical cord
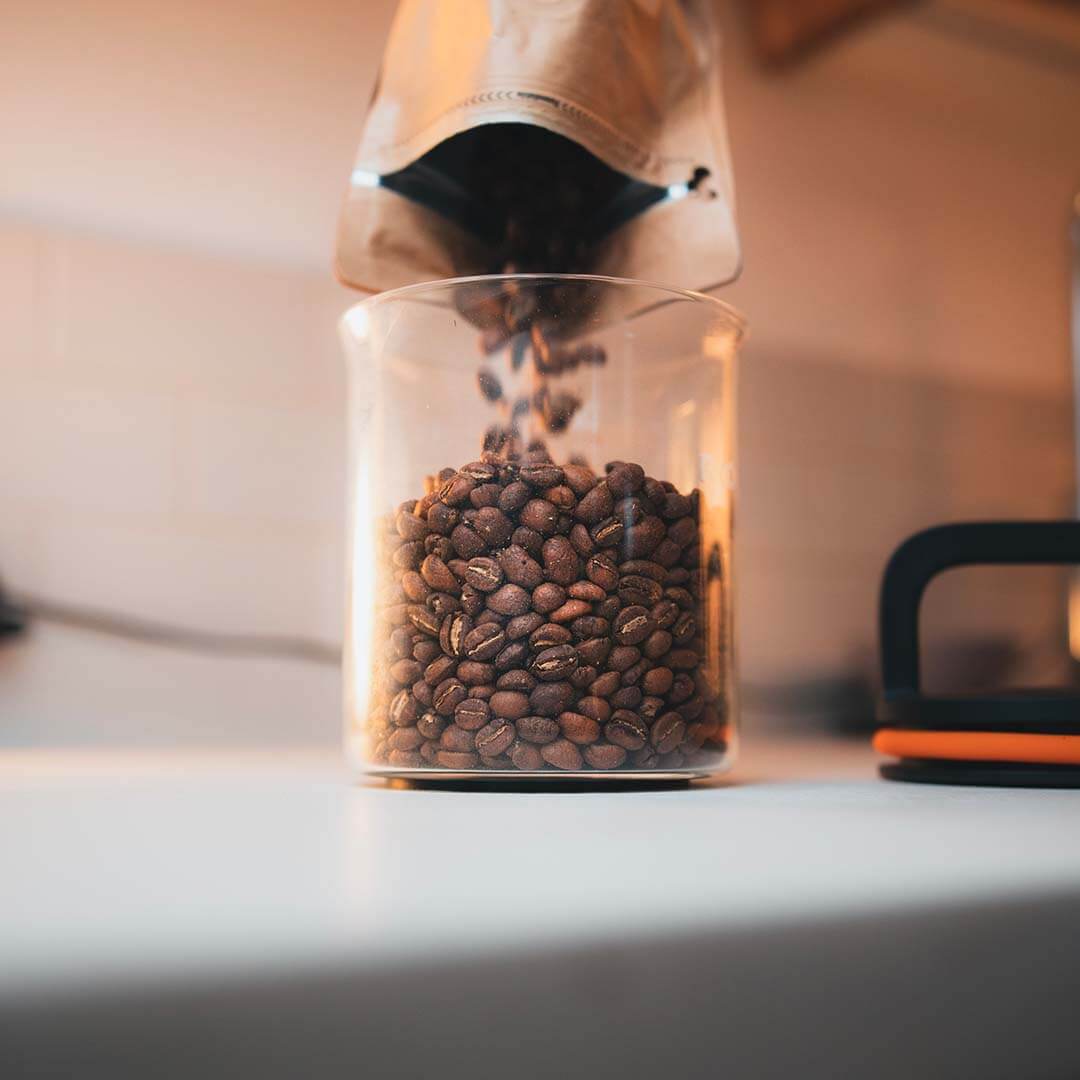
(150, 632)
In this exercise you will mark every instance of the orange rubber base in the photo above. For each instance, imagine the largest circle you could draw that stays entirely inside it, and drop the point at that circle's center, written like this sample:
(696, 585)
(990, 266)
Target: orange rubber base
(979, 746)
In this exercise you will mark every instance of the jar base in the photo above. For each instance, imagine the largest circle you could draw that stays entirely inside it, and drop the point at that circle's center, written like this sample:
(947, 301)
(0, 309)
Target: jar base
(543, 778)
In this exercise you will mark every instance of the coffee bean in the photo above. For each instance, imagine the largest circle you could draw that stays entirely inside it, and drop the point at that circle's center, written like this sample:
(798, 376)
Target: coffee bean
(525, 757)
(623, 657)
(427, 622)
(579, 478)
(657, 681)
(682, 688)
(523, 625)
(530, 540)
(578, 728)
(682, 659)
(484, 574)
(540, 515)
(676, 505)
(457, 739)
(471, 714)
(665, 613)
(602, 572)
(544, 637)
(609, 608)
(481, 471)
(455, 491)
(430, 725)
(450, 759)
(405, 759)
(691, 710)
(684, 629)
(629, 511)
(649, 708)
(595, 707)
(538, 729)
(624, 478)
(656, 644)
(488, 616)
(626, 729)
(455, 628)
(551, 698)
(509, 704)
(595, 506)
(490, 386)
(509, 600)
(474, 673)
(555, 663)
(496, 738)
(514, 496)
(594, 650)
(442, 518)
(520, 568)
(422, 692)
(541, 476)
(632, 675)
(645, 568)
(560, 496)
(404, 672)
(411, 527)
(560, 561)
(562, 754)
(472, 601)
(641, 539)
(485, 642)
(440, 668)
(637, 589)
(571, 610)
(448, 695)
(415, 587)
(513, 656)
(604, 756)
(485, 495)
(626, 697)
(442, 604)
(516, 679)
(683, 597)
(494, 527)
(409, 555)
(547, 597)
(583, 676)
(667, 732)
(633, 625)
(407, 738)
(466, 541)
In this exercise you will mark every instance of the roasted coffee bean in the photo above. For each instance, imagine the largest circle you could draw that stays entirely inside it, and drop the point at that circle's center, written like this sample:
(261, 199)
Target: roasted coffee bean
(590, 626)
(624, 478)
(562, 754)
(457, 739)
(448, 695)
(682, 659)
(415, 587)
(513, 656)
(540, 515)
(405, 671)
(601, 571)
(430, 725)
(609, 533)
(560, 496)
(442, 604)
(488, 616)
(645, 568)
(442, 518)
(641, 539)
(426, 650)
(678, 576)
(667, 732)
(684, 629)
(453, 631)
(481, 471)
(609, 608)
(582, 541)
(489, 385)
(409, 555)
(667, 553)
(523, 625)
(525, 757)
(484, 642)
(471, 714)
(474, 673)
(455, 491)
(485, 495)
(560, 561)
(403, 709)
(547, 597)
(571, 610)
(691, 710)
(410, 527)
(583, 676)
(555, 663)
(538, 729)
(594, 707)
(467, 541)
(551, 698)
(440, 668)
(629, 511)
(626, 697)
(587, 591)
(427, 622)
(516, 679)
(514, 496)
(481, 693)
(509, 600)
(405, 759)
(677, 506)
(472, 601)
(401, 643)
(594, 650)
(665, 613)
(623, 657)
(649, 708)
(683, 597)
(626, 729)
(496, 738)
(632, 675)
(422, 692)
(636, 589)
(595, 506)
(541, 476)
(520, 568)
(544, 637)
(509, 704)
(578, 728)
(683, 532)
(579, 478)
(656, 644)
(484, 574)
(450, 759)
(529, 540)
(657, 681)
(493, 526)
(633, 625)
(682, 688)
(604, 756)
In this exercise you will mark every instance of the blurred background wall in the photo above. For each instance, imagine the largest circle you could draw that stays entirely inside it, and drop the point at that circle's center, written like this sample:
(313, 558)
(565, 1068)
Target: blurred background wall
(171, 406)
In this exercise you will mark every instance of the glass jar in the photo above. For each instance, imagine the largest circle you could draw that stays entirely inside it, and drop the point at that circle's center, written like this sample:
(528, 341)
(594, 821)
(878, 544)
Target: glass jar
(540, 514)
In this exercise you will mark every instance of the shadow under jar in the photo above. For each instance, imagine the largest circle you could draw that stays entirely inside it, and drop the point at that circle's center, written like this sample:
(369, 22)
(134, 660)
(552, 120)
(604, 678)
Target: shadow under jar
(540, 516)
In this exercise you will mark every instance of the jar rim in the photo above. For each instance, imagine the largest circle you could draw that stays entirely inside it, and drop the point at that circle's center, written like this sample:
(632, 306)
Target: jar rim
(737, 318)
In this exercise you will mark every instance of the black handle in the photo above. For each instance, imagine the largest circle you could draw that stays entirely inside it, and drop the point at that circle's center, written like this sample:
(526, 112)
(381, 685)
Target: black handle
(920, 558)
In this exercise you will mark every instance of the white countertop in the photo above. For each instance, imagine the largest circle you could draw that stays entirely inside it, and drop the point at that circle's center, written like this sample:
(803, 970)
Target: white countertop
(186, 878)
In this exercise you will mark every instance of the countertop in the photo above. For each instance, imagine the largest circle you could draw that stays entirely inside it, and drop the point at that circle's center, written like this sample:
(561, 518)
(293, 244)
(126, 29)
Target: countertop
(219, 914)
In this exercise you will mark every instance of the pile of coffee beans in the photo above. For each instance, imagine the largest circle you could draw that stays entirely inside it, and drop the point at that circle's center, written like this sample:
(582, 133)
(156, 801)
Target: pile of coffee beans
(539, 616)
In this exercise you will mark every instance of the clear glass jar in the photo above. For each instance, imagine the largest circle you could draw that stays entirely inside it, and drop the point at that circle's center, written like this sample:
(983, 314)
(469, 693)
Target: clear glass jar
(541, 509)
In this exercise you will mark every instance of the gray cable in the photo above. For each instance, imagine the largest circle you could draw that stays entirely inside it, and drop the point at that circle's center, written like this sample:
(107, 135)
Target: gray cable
(148, 632)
